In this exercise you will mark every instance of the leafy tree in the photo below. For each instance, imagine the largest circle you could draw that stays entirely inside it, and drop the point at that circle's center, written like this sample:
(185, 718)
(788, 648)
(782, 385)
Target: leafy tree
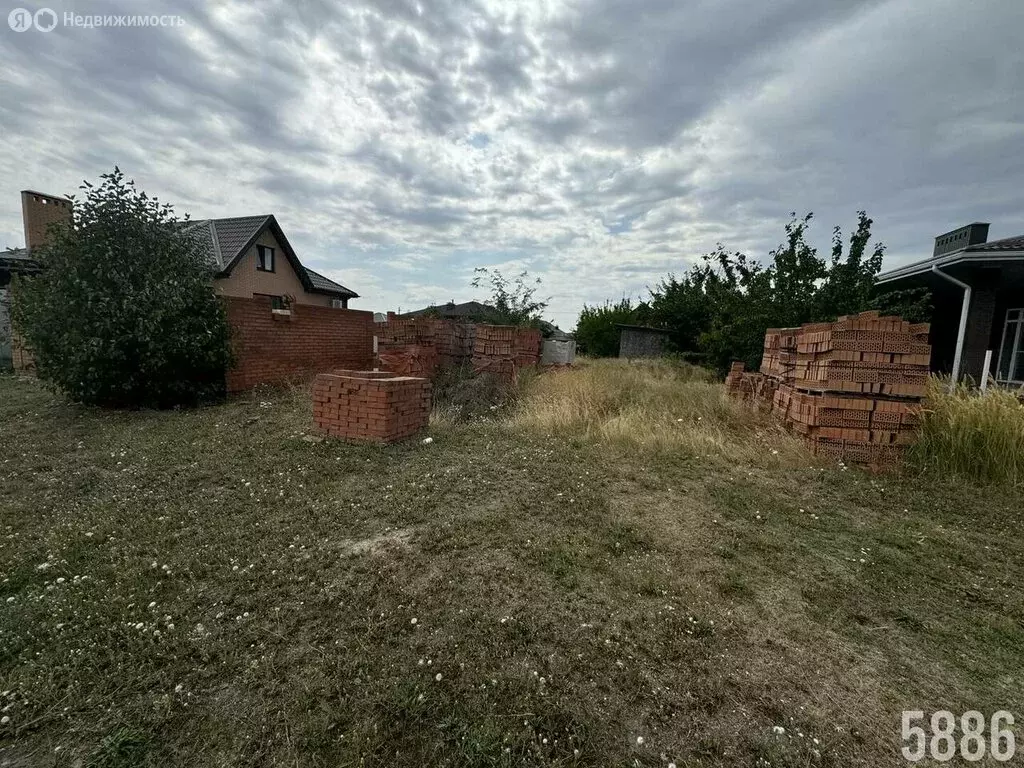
(850, 282)
(596, 329)
(912, 304)
(514, 299)
(123, 313)
(723, 304)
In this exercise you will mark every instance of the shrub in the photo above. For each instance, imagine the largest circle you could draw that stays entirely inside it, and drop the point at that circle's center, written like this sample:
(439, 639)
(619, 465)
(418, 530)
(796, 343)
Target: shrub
(124, 313)
(597, 330)
(970, 435)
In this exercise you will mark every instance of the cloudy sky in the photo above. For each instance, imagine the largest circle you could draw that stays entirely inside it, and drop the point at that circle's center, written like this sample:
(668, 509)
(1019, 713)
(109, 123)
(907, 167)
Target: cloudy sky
(599, 144)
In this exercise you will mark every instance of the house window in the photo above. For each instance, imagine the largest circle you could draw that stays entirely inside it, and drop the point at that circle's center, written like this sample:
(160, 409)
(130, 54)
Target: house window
(1011, 351)
(264, 258)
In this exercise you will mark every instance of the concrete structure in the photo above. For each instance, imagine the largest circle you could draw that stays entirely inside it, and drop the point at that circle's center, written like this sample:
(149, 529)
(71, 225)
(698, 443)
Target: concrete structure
(977, 289)
(642, 341)
(558, 352)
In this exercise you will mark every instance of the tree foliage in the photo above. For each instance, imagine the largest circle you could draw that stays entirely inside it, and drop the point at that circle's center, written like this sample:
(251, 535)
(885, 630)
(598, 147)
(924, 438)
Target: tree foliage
(722, 305)
(597, 332)
(123, 313)
(514, 299)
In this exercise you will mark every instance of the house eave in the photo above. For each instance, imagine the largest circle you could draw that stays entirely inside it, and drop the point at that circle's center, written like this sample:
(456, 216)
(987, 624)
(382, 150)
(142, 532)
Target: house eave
(947, 260)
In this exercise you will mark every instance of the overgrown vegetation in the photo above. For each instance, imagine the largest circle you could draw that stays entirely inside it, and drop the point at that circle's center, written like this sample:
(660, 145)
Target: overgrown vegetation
(973, 436)
(722, 305)
(217, 587)
(461, 395)
(124, 313)
(514, 299)
(597, 332)
(657, 404)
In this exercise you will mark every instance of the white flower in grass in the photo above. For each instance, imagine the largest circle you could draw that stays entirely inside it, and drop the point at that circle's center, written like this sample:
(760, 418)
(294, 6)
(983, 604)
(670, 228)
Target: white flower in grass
(413, 621)
(639, 741)
(437, 677)
(778, 730)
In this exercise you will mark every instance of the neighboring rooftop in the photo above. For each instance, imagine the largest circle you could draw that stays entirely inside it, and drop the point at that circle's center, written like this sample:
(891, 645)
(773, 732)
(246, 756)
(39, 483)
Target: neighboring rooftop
(472, 310)
(227, 240)
(18, 260)
(961, 246)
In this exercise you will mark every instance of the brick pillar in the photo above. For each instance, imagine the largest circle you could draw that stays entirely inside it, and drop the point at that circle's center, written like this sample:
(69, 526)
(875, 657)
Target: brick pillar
(979, 332)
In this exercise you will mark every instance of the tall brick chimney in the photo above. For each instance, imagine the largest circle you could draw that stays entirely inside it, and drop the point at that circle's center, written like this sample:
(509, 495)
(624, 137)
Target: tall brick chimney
(38, 212)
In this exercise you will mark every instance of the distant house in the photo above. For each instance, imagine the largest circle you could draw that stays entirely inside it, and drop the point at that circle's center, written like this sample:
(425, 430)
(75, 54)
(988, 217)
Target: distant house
(977, 289)
(467, 311)
(250, 255)
(642, 341)
(476, 312)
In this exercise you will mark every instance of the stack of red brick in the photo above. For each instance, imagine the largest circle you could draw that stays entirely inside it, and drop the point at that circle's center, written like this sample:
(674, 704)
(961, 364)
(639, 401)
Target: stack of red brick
(851, 388)
(503, 349)
(406, 346)
(418, 346)
(375, 406)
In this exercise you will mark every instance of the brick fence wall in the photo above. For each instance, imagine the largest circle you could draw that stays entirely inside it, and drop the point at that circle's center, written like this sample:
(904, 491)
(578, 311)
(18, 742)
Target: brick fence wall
(272, 348)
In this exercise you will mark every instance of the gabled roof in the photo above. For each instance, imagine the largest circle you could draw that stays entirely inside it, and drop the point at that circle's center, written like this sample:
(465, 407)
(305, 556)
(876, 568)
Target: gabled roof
(227, 241)
(467, 309)
(1007, 249)
(326, 285)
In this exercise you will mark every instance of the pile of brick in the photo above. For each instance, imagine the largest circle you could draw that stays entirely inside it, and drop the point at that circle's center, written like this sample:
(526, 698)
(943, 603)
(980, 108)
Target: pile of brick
(454, 342)
(503, 349)
(418, 346)
(851, 388)
(375, 406)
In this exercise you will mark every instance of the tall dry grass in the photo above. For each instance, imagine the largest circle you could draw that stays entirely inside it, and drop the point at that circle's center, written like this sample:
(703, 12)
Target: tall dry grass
(655, 405)
(970, 435)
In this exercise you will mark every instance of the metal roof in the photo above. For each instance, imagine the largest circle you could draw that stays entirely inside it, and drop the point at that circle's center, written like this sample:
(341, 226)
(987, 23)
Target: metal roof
(1007, 249)
(227, 240)
(326, 285)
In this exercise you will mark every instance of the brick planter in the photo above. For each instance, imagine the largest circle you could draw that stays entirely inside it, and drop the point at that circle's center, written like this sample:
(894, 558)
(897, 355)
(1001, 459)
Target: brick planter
(374, 406)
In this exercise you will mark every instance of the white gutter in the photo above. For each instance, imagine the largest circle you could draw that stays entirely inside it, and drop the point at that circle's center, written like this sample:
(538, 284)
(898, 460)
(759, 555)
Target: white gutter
(962, 333)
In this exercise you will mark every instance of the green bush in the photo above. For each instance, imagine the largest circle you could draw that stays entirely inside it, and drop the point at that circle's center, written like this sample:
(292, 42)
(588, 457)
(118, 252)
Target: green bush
(597, 331)
(123, 313)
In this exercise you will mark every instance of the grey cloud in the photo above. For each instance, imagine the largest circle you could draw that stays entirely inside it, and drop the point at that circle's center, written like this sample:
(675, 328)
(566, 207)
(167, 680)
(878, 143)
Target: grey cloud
(601, 142)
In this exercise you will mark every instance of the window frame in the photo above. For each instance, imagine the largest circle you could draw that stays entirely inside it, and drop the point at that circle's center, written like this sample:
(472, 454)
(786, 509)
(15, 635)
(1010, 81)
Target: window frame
(1015, 349)
(262, 251)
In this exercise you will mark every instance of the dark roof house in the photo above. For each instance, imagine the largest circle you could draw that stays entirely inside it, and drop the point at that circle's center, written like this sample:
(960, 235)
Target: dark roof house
(977, 290)
(243, 252)
(227, 242)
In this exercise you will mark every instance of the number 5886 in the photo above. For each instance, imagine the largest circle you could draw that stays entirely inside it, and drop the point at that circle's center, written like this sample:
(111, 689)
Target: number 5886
(940, 742)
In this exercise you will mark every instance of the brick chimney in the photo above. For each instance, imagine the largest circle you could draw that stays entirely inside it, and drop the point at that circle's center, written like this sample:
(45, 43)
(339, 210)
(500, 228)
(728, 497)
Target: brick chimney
(38, 212)
(972, 234)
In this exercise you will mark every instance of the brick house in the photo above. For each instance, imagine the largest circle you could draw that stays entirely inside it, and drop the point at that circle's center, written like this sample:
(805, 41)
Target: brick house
(250, 254)
(977, 290)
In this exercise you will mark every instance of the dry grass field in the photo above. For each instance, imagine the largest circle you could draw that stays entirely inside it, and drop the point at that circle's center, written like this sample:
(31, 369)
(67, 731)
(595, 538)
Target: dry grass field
(621, 568)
